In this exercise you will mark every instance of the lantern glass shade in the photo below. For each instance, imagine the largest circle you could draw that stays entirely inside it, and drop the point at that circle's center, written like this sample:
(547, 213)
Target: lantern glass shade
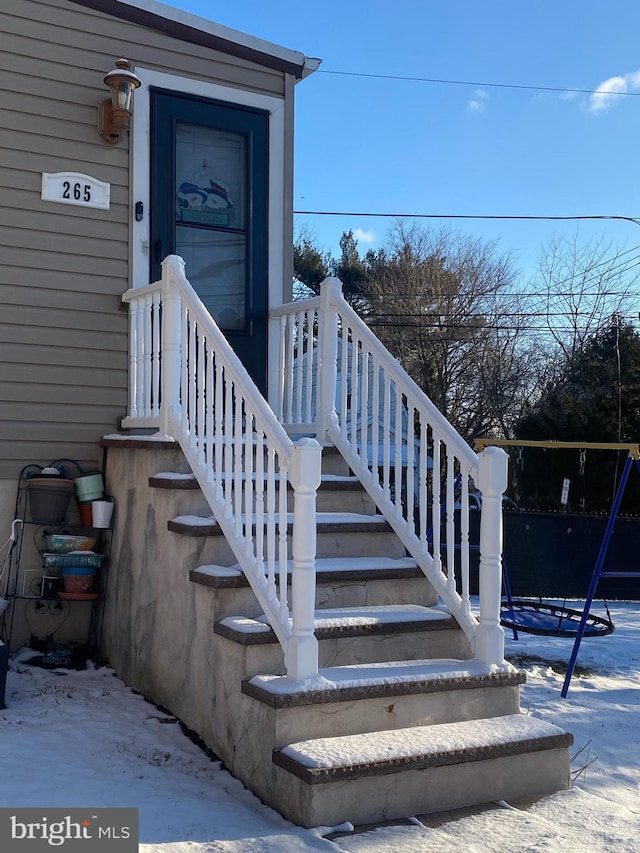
(123, 82)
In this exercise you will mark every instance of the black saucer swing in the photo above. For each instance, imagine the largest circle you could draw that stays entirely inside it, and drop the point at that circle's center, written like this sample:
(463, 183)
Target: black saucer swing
(551, 620)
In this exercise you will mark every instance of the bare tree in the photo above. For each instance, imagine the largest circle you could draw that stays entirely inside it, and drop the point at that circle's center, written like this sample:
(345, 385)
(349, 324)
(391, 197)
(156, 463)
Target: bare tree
(436, 300)
(579, 286)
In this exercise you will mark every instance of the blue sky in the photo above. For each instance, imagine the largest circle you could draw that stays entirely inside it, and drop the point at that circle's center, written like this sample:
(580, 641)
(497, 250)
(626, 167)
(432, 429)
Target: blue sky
(367, 144)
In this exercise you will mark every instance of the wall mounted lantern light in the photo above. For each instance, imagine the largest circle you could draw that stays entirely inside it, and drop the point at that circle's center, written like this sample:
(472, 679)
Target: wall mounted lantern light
(114, 113)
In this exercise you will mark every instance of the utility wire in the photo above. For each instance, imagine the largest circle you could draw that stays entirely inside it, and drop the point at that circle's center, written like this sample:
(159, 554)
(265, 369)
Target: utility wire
(521, 329)
(458, 215)
(472, 83)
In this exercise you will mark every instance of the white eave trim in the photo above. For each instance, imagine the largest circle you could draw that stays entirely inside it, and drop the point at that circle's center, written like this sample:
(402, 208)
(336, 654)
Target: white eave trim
(194, 28)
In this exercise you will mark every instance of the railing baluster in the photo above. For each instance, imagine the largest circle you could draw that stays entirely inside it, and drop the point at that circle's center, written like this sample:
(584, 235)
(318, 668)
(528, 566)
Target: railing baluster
(436, 515)
(248, 479)
(200, 383)
(310, 373)
(156, 348)
(219, 429)
(398, 443)
(451, 538)
(464, 542)
(423, 501)
(364, 404)
(192, 373)
(271, 524)
(410, 488)
(282, 541)
(290, 361)
(208, 393)
(259, 499)
(237, 465)
(386, 445)
(228, 446)
(298, 366)
(148, 338)
(283, 383)
(355, 392)
(375, 417)
(142, 397)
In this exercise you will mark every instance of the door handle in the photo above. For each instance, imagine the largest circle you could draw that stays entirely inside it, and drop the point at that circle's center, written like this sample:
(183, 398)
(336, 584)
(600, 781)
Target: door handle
(157, 252)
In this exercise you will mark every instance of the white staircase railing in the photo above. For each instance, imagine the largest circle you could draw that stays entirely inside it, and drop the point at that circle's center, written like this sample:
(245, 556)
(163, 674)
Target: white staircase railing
(186, 380)
(337, 381)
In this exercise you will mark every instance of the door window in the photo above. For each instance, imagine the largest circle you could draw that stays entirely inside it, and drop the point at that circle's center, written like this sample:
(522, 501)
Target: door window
(211, 235)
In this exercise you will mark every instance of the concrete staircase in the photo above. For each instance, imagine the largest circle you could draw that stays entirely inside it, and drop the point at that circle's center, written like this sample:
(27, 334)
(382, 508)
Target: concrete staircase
(401, 721)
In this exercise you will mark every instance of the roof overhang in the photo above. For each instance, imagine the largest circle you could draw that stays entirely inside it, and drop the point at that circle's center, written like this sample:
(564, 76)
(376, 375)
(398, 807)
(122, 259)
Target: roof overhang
(196, 30)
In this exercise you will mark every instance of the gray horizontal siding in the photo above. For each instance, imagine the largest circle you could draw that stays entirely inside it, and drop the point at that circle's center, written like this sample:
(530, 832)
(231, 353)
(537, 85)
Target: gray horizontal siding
(63, 330)
(58, 413)
(81, 30)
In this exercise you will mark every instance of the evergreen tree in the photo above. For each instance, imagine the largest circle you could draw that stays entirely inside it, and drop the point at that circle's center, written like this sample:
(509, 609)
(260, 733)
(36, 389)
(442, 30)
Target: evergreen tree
(595, 397)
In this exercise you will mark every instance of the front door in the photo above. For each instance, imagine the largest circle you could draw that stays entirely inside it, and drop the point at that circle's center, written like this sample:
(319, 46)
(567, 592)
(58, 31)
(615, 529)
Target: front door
(209, 205)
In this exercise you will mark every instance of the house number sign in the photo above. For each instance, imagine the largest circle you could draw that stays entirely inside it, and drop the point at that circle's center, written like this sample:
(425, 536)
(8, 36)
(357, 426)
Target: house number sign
(75, 188)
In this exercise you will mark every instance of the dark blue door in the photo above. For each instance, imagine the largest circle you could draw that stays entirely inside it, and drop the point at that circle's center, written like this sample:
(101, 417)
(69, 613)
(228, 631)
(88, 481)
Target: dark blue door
(209, 183)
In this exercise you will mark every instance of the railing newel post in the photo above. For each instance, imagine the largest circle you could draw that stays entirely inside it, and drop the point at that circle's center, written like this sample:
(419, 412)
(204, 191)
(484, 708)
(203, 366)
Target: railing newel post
(170, 409)
(327, 378)
(492, 481)
(302, 648)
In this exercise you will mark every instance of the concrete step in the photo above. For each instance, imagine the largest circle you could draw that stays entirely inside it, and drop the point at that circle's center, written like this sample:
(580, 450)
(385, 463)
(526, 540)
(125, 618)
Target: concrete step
(349, 700)
(340, 582)
(351, 636)
(338, 534)
(327, 570)
(337, 493)
(385, 775)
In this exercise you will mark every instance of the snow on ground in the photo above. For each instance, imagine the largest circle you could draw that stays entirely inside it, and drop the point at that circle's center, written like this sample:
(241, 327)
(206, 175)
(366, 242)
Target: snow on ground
(72, 738)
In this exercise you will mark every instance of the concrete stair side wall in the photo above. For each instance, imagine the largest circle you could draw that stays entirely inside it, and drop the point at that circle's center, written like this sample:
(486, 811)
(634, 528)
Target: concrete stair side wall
(160, 636)
(158, 630)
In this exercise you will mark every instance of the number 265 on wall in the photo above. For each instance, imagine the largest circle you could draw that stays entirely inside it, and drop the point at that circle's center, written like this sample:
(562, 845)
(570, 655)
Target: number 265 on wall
(75, 188)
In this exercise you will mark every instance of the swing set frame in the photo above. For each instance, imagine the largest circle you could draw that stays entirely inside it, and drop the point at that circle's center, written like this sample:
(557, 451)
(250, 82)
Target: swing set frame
(633, 455)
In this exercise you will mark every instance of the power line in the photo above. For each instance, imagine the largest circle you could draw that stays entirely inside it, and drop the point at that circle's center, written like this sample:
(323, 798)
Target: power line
(418, 316)
(494, 327)
(460, 215)
(620, 270)
(474, 83)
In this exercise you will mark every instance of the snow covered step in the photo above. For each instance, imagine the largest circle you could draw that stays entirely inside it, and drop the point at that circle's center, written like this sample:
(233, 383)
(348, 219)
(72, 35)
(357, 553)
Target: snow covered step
(391, 695)
(341, 582)
(337, 493)
(392, 774)
(353, 621)
(356, 635)
(328, 569)
(338, 533)
(328, 522)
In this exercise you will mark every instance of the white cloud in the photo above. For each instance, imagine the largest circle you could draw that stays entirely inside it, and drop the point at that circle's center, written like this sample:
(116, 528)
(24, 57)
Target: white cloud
(605, 96)
(478, 103)
(364, 236)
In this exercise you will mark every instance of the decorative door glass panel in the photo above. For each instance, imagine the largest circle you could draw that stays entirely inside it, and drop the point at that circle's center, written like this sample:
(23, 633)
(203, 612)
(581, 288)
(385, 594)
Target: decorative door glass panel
(216, 267)
(211, 218)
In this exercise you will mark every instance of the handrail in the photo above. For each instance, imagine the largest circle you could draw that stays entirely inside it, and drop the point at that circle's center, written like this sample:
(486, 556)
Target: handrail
(242, 458)
(335, 380)
(338, 380)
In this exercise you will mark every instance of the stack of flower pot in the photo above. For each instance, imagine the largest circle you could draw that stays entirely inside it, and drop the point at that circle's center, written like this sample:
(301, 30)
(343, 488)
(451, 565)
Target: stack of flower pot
(94, 511)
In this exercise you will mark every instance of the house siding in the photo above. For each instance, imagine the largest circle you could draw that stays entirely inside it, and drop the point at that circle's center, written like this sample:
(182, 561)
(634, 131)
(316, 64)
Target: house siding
(63, 330)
